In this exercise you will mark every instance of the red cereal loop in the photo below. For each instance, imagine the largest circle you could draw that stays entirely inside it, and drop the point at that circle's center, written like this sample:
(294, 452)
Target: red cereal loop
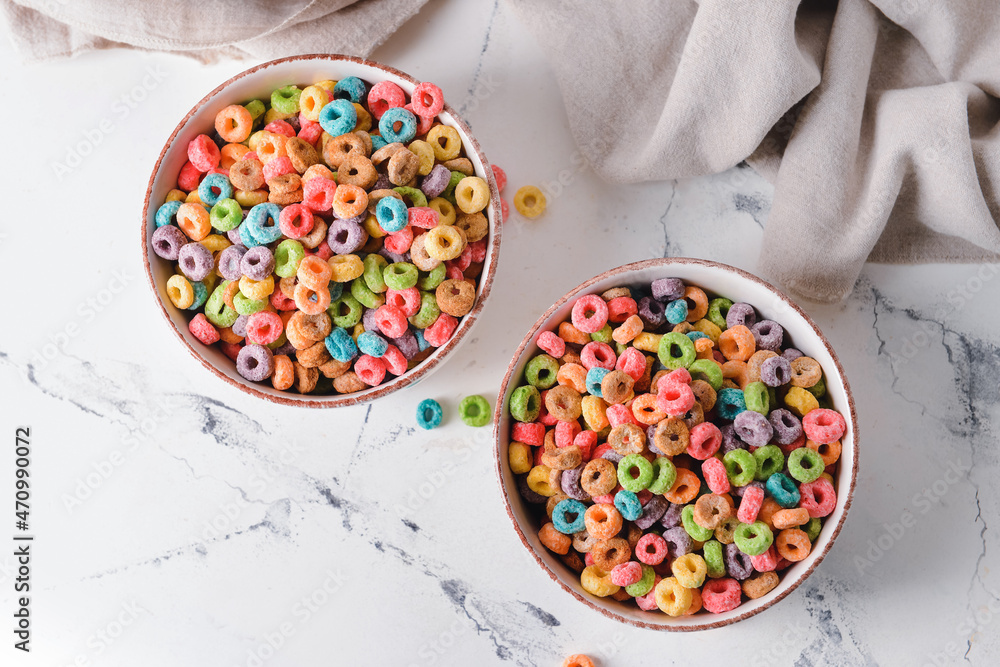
(423, 217)
(203, 330)
(203, 153)
(296, 220)
(279, 166)
(799, 442)
(721, 595)
(551, 344)
(599, 355)
(424, 123)
(407, 300)
(394, 360)
(399, 242)
(370, 369)
(753, 498)
(231, 350)
(674, 398)
(651, 549)
(317, 194)
(310, 131)
(189, 177)
(282, 301)
(824, 426)
(590, 313)
(622, 414)
(322, 251)
(715, 475)
(452, 272)
(477, 250)
(264, 327)
(500, 176)
(566, 433)
(391, 321)
(765, 562)
(621, 308)
(678, 375)
(626, 574)
(383, 96)
(586, 440)
(427, 100)
(706, 438)
(530, 433)
(818, 498)
(281, 127)
(632, 362)
(438, 333)
(647, 602)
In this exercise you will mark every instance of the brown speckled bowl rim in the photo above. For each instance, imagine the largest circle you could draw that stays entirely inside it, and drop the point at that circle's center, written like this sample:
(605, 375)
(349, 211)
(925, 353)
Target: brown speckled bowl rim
(411, 376)
(500, 439)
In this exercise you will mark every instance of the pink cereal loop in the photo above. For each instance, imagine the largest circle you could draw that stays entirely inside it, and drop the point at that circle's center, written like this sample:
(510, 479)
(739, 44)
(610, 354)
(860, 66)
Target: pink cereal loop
(551, 344)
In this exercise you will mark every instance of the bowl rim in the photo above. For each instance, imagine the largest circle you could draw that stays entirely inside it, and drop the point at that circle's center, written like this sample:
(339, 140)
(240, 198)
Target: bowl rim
(499, 459)
(373, 393)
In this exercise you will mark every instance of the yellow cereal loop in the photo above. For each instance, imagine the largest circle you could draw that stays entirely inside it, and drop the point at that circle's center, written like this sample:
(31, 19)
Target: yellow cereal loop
(597, 582)
(192, 198)
(215, 242)
(312, 100)
(372, 227)
(359, 329)
(647, 342)
(519, 456)
(273, 115)
(328, 85)
(708, 328)
(472, 194)
(445, 141)
(538, 481)
(446, 212)
(689, 570)
(250, 198)
(257, 289)
(672, 598)
(425, 152)
(800, 401)
(175, 195)
(529, 201)
(346, 267)
(180, 292)
(364, 118)
(595, 412)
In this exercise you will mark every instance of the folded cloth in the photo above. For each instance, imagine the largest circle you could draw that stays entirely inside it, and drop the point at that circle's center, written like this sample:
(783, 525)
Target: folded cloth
(259, 29)
(878, 121)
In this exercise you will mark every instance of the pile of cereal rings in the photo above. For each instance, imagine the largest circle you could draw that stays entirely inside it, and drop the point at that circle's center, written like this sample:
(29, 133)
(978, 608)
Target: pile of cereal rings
(327, 237)
(679, 452)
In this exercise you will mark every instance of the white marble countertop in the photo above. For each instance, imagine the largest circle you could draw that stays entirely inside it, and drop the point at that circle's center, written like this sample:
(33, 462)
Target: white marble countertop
(180, 522)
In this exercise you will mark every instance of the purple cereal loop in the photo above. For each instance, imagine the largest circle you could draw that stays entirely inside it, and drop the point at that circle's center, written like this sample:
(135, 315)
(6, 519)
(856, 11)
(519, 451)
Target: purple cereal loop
(768, 334)
(741, 314)
(775, 371)
(613, 456)
(255, 363)
(168, 241)
(651, 312)
(195, 261)
(792, 354)
(787, 427)
(652, 512)
(753, 428)
(407, 344)
(257, 263)
(383, 183)
(345, 236)
(527, 493)
(667, 289)
(234, 235)
(392, 257)
(570, 484)
(436, 181)
(678, 542)
(370, 322)
(672, 517)
(285, 348)
(740, 490)
(730, 440)
(738, 564)
(240, 325)
(229, 262)
(358, 219)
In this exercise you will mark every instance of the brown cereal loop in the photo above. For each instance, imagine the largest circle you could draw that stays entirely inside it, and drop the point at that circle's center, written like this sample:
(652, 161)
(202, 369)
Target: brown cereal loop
(672, 436)
(460, 164)
(285, 198)
(313, 356)
(599, 477)
(694, 416)
(806, 372)
(616, 292)
(247, 175)
(455, 297)
(550, 504)
(474, 225)
(583, 542)
(616, 387)
(386, 152)
(654, 384)
(366, 141)
(333, 369)
(704, 394)
(419, 256)
(287, 286)
(627, 439)
(643, 384)
(609, 553)
(562, 458)
(571, 357)
(725, 530)
(356, 169)
(338, 148)
(285, 183)
(403, 166)
(573, 561)
(301, 153)
(305, 378)
(760, 585)
(736, 372)
(564, 403)
(684, 328)
(316, 236)
(711, 510)
(315, 327)
(348, 383)
(632, 534)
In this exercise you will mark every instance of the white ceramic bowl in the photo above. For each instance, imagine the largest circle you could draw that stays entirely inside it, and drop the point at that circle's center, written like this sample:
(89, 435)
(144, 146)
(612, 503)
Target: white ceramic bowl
(770, 303)
(258, 82)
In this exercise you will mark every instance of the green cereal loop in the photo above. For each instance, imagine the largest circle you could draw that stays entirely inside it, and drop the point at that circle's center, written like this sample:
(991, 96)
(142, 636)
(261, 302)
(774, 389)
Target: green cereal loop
(620, 349)
(286, 100)
(366, 297)
(400, 275)
(449, 192)
(756, 398)
(256, 109)
(428, 313)
(541, 371)
(416, 197)
(753, 539)
(602, 335)
(433, 278)
(226, 215)
(282, 339)
(343, 319)
(693, 529)
(684, 345)
(664, 475)
(715, 314)
(247, 306)
(741, 467)
(625, 478)
(819, 389)
(712, 552)
(474, 411)
(707, 370)
(645, 584)
(287, 257)
(374, 267)
(812, 528)
(770, 460)
(525, 403)
(805, 465)
(216, 310)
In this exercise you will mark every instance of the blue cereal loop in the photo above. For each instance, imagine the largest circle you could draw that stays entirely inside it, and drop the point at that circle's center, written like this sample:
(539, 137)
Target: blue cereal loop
(218, 181)
(338, 117)
(594, 377)
(627, 503)
(391, 214)
(378, 142)
(429, 414)
(372, 344)
(730, 403)
(200, 295)
(351, 88)
(256, 219)
(676, 311)
(561, 520)
(340, 345)
(422, 343)
(167, 214)
(407, 121)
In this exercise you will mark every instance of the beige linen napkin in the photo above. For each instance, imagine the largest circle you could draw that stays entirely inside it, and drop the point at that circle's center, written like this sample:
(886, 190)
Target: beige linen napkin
(258, 29)
(878, 121)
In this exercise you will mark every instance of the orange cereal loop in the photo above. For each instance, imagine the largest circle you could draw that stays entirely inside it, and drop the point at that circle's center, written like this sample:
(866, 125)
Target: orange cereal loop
(230, 292)
(284, 372)
(349, 201)
(767, 511)
(697, 302)
(573, 375)
(314, 273)
(736, 371)
(571, 334)
(603, 521)
(578, 660)
(310, 301)
(695, 602)
(628, 330)
(194, 221)
(553, 540)
(790, 518)
(231, 154)
(645, 411)
(703, 348)
(760, 585)
(270, 146)
(830, 453)
(685, 487)
(226, 335)
(793, 544)
(737, 343)
(234, 124)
